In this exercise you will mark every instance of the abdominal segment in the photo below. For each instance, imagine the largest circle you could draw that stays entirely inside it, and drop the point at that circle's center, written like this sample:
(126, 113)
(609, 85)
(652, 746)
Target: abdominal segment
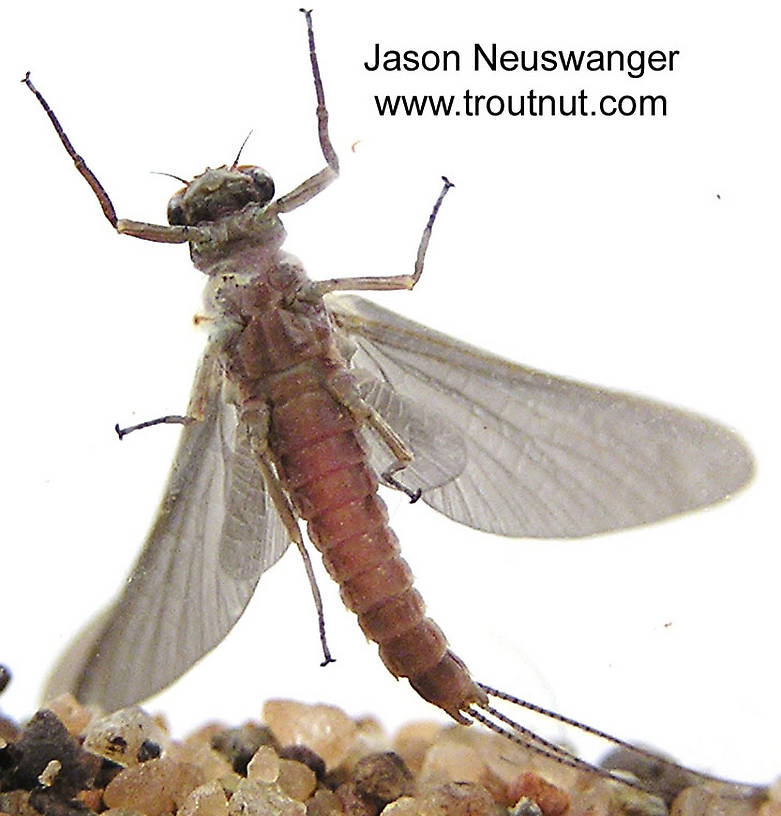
(324, 468)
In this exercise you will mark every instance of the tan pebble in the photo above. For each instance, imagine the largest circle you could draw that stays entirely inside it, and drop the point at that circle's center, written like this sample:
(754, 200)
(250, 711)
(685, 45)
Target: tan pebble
(451, 761)
(413, 740)
(155, 787)
(47, 776)
(161, 721)
(230, 783)
(205, 733)
(324, 803)
(327, 730)
(354, 804)
(9, 731)
(306, 756)
(770, 808)
(17, 803)
(699, 801)
(370, 738)
(205, 800)
(497, 787)
(508, 760)
(691, 802)
(202, 755)
(72, 714)
(504, 760)
(525, 807)
(774, 790)
(405, 806)
(383, 777)
(264, 765)
(595, 799)
(127, 737)
(458, 799)
(257, 799)
(552, 800)
(634, 802)
(499, 779)
(238, 745)
(121, 812)
(370, 730)
(93, 799)
(296, 779)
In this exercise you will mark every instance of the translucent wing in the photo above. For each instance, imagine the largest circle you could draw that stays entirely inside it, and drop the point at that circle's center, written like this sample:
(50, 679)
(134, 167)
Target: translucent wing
(440, 450)
(544, 456)
(216, 532)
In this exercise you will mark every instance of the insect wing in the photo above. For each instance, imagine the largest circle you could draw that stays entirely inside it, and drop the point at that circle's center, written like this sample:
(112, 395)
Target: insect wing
(546, 457)
(216, 532)
(440, 450)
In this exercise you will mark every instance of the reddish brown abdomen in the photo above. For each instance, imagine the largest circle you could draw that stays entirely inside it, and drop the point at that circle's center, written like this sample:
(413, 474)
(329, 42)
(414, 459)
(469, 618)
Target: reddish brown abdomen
(325, 469)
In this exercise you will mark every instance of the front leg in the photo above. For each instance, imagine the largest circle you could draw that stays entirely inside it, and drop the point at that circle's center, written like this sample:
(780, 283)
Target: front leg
(148, 232)
(317, 183)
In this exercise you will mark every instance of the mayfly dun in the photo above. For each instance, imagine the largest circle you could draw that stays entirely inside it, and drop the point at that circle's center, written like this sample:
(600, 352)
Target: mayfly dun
(306, 400)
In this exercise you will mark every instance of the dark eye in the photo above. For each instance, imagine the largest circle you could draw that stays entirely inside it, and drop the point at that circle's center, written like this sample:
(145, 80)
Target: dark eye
(264, 186)
(175, 213)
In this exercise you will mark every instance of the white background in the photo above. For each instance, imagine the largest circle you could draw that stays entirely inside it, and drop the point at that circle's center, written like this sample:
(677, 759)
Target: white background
(635, 253)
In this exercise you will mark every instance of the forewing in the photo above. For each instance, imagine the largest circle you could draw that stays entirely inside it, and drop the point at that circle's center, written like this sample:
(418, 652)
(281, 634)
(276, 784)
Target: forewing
(545, 456)
(215, 533)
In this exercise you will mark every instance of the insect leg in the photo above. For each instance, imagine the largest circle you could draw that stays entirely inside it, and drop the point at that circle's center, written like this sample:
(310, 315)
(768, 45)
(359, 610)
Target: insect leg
(207, 378)
(170, 419)
(319, 288)
(345, 393)
(149, 232)
(256, 418)
(322, 112)
(317, 183)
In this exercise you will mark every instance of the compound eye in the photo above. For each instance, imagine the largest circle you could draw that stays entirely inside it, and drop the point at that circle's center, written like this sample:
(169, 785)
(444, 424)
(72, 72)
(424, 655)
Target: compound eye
(175, 213)
(264, 186)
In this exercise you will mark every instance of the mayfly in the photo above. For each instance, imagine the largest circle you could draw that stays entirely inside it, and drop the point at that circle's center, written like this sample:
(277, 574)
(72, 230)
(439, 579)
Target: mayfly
(306, 400)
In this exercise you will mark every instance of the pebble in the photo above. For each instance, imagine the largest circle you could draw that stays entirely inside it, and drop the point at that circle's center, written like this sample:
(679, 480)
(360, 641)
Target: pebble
(297, 780)
(458, 799)
(195, 752)
(329, 766)
(324, 803)
(44, 741)
(264, 765)
(774, 791)
(383, 777)
(300, 753)
(552, 801)
(72, 714)
(128, 737)
(354, 803)
(205, 800)
(258, 799)
(238, 745)
(699, 801)
(412, 741)
(370, 738)
(450, 759)
(154, 788)
(327, 730)
(48, 775)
